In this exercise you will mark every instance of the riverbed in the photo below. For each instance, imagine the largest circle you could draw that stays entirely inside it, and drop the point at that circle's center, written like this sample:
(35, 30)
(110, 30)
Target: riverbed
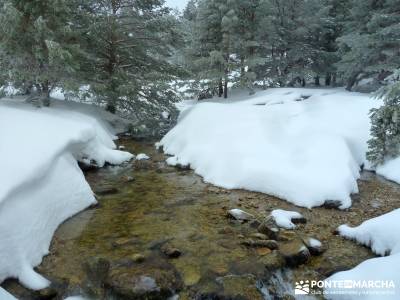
(160, 232)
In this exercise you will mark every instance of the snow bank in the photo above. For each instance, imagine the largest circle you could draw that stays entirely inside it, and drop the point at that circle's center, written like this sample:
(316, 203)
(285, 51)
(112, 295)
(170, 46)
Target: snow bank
(41, 183)
(390, 170)
(303, 145)
(382, 235)
(283, 218)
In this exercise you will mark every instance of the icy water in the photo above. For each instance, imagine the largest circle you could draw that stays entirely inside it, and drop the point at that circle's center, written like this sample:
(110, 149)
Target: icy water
(160, 232)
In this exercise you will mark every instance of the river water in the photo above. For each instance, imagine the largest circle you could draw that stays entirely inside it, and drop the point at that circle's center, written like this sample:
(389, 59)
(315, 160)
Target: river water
(117, 250)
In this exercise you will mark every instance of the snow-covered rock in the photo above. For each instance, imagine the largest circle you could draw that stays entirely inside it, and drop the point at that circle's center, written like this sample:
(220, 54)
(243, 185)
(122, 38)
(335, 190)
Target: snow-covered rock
(283, 218)
(382, 235)
(142, 156)
(41, 183)
(239, 214)
(306, 152)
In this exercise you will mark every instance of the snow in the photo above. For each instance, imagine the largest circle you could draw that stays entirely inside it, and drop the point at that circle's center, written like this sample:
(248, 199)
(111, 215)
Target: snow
(283, 218)
(390, 170)
(142, 156)
(381, 234)
(314, 243)
(277, 142)
(4, 295)
(41, 183)
(239, 214)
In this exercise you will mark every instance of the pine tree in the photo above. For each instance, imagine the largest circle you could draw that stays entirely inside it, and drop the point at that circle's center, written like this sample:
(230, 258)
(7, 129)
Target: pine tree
(130, 44)
(38, 42)
(370, 44)
(385, 129)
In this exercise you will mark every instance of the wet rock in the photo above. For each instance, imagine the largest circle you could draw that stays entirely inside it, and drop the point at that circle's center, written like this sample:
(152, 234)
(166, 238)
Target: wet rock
(105, 190)
(271, 244)
(87, 166)
(97, 270)
(240, 215)
(46, 294)
(332, 204)
(254, 224)
(269, 228)
(294, 252)
(314, 246)
(170, 251)
(299, 220)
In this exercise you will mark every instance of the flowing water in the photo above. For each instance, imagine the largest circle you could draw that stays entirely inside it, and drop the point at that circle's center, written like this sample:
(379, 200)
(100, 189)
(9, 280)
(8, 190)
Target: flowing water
(147, 209)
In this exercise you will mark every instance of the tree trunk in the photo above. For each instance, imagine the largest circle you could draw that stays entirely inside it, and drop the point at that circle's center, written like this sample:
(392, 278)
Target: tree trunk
(220, 88)
(317, 83)
(226, 86)
(328, 79)
(303, 82)
(334, 79)
(351, 81)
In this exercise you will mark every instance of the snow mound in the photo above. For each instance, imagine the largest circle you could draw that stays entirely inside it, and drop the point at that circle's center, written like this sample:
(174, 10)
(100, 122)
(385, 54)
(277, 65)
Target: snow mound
(381, 234)
(41, 183)
(283, 218)
(303, 149)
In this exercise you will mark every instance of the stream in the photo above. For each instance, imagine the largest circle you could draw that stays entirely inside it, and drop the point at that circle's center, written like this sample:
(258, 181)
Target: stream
(160, 232)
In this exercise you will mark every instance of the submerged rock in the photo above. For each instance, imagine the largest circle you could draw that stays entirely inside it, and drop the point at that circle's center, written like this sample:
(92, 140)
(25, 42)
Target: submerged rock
(136, 287)
(170, 251)
(105, 190)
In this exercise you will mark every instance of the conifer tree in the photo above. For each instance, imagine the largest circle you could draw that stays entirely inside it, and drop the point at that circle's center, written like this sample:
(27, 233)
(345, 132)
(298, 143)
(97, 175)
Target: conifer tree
(385, 129)
(38, 42)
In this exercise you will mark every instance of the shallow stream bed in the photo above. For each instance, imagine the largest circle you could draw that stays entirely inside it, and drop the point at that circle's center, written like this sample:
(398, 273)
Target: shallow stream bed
(160, 232)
